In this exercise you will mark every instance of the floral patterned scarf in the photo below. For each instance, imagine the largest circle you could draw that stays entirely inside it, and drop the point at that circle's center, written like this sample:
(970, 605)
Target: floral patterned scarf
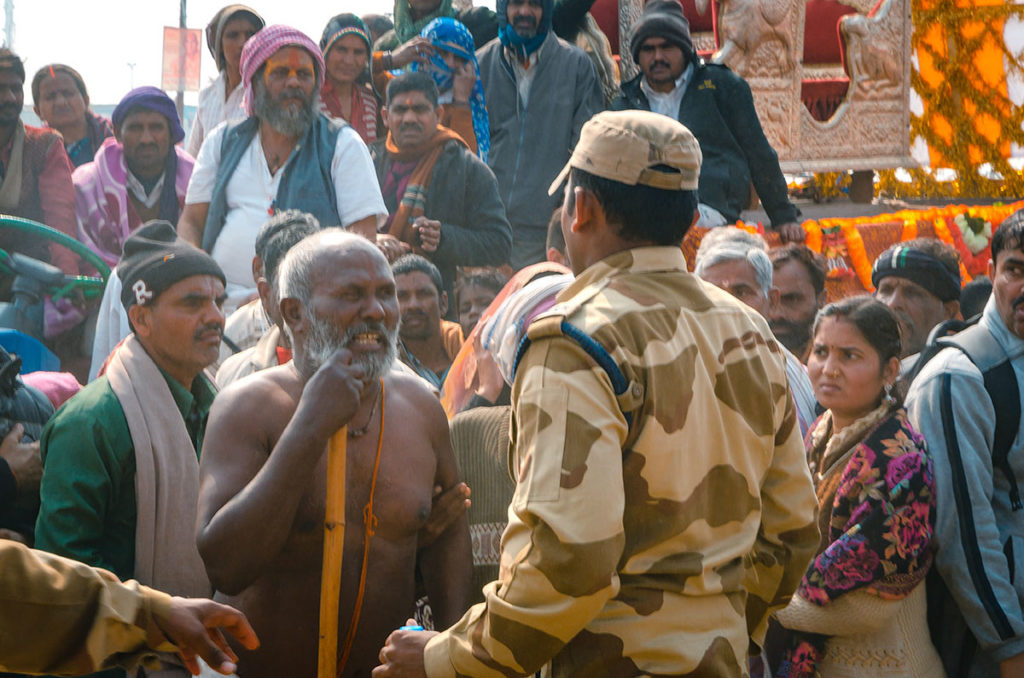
(876, 512)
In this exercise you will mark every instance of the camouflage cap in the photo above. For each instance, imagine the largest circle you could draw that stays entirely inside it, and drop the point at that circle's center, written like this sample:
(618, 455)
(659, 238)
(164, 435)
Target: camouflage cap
(625, 146)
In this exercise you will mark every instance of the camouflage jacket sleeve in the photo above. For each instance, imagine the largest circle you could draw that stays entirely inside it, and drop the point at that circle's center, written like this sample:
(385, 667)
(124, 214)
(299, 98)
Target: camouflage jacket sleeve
(788, 537)
(91, 620)
(565, 534)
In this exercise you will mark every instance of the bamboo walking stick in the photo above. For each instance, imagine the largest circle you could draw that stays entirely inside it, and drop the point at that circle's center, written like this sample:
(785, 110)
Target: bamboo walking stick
(334, 546)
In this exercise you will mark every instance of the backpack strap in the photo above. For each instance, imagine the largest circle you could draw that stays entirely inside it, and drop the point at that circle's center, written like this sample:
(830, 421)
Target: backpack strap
(628, 395)
(978, 344)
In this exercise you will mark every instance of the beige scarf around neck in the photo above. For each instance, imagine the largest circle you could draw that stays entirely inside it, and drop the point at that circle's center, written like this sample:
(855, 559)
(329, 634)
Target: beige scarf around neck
(166, 476)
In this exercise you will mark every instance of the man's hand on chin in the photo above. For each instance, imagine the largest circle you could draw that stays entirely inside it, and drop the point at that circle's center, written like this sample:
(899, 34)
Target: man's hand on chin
(402, 654)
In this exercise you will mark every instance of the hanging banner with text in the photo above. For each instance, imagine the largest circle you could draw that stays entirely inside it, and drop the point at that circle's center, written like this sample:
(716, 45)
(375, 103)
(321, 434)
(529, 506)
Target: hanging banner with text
(181, 66)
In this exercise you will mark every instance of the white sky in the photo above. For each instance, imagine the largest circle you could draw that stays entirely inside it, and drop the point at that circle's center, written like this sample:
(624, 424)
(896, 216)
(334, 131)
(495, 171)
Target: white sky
(100, 38)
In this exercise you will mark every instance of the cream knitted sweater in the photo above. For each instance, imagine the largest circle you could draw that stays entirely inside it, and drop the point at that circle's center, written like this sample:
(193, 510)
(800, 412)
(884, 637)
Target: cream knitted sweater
(869, 636)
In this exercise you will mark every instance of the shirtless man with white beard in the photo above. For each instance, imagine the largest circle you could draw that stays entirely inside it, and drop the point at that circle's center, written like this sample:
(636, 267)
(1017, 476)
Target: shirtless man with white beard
(263, 475)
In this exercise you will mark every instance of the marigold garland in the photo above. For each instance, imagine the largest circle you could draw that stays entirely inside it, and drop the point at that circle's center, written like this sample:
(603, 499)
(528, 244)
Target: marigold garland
(942, 231)
(813, 231)
(952, 36)
(852, 248)
(957, 242)
(831, 185)
(909, 230)
(858, 255)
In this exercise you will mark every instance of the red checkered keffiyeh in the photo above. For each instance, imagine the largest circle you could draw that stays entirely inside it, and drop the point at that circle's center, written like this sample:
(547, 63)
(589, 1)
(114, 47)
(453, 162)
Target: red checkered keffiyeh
(264, 44)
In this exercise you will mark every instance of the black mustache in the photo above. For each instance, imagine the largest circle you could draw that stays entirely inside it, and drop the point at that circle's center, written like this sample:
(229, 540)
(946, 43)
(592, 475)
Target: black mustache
(217, 327)
(524, 21)
(660, 63)
(1017, 302)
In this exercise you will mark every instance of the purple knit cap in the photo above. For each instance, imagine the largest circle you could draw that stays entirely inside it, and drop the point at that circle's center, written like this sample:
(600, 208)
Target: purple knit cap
(152, 99)
(263, 45)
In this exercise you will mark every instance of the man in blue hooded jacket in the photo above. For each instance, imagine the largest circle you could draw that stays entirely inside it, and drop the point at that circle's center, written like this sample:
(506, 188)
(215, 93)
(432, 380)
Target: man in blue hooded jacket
(539, 91)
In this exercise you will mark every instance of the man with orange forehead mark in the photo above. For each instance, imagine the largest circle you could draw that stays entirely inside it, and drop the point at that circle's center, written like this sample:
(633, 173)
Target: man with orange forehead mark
(285, 155)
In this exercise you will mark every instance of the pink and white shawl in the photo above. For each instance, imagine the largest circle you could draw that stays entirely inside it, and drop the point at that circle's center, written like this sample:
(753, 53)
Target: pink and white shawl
(105, 215)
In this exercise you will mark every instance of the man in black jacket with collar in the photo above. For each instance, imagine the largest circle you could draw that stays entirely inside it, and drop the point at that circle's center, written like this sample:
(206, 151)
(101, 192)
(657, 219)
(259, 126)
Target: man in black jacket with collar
(717, 106)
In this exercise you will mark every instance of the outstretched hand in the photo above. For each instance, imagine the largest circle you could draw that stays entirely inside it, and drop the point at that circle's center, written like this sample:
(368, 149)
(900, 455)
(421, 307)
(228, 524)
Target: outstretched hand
(195, 626)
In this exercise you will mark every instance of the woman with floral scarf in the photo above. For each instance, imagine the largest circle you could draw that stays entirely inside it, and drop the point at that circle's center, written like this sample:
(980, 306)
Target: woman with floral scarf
(860, 609)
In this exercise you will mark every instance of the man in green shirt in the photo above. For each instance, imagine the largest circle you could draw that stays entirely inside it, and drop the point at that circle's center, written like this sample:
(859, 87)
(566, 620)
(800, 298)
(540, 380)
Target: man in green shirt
(120, 459)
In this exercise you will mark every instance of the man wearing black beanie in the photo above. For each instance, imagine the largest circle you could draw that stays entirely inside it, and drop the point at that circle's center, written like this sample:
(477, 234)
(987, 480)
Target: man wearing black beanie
(120, 459)
(717, 106)
(920, 281)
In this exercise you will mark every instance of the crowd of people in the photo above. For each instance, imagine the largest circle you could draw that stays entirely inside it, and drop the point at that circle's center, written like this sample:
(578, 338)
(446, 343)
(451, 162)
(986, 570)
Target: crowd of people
(448, 250)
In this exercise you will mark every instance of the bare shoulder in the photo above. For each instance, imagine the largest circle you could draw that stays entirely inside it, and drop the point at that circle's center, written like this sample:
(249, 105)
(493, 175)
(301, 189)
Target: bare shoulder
(266, 391)
(410, 388)
(415, 396)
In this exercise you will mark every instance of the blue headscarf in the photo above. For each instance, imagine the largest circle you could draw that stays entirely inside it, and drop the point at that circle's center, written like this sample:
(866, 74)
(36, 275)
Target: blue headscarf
(452, 36)
(510, 39)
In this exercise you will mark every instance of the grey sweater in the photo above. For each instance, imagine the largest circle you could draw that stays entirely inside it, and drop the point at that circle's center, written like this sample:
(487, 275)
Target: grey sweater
(978, 535)
(530, 144)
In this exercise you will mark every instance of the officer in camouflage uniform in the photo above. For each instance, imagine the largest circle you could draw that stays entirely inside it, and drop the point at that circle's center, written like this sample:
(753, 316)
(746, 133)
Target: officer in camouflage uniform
(650, 533)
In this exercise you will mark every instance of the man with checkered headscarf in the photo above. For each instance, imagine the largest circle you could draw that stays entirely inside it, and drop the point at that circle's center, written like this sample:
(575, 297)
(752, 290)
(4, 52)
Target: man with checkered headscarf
(285, 155)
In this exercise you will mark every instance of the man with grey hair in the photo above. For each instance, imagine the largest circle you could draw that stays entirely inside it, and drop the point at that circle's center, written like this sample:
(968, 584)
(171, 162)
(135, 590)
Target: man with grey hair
(285, 155)
(264, 471)
(737, 261)
(282, 231)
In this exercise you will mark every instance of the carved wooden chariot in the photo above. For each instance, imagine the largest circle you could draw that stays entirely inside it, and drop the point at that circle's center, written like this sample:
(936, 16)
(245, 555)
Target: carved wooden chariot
(830, 78)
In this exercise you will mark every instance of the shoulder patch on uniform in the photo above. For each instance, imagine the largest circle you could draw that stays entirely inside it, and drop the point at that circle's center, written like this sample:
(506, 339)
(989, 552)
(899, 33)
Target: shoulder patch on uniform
(545, 326)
